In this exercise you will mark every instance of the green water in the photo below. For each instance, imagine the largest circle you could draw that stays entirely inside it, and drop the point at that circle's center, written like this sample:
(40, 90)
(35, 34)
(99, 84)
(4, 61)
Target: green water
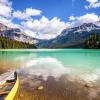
(78, 59)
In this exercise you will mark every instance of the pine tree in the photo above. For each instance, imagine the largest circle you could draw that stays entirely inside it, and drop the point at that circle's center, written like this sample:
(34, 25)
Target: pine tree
(6, 43)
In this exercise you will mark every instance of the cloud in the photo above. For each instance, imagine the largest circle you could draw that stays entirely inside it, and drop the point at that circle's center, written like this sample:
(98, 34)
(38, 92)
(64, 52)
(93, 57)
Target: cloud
(92, 4)
(6, 2)
(71, 18)
(87, 18)
(92, 1)
(44, 28)
(29, 12)
(5, 8)
(6, 13)
(4, 20)
(8, 22)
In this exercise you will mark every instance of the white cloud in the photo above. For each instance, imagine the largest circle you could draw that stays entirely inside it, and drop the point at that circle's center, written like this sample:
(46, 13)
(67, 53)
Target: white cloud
(4, 20)
(29, 12)
(45, 28)
(8, 22)
(87, 18)
(6, 13)
(92, 1)
(6, 2)
(5, 8)
(71, 18)
(92, 4)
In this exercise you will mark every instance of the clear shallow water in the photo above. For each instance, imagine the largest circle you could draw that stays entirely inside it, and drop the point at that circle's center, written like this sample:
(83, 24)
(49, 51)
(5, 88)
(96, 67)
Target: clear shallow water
(54, 62)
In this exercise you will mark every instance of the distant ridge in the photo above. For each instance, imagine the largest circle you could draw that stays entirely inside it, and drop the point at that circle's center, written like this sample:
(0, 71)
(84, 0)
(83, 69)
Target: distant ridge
(71, 38)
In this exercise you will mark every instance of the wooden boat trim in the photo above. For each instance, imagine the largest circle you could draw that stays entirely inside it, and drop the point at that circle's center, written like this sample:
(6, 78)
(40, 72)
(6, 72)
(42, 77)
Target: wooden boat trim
(6, 92)
(5, 84)
(13, 91)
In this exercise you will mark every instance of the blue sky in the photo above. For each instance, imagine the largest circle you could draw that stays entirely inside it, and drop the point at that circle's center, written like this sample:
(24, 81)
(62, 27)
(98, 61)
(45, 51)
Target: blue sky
(59, 8)
(47, 18)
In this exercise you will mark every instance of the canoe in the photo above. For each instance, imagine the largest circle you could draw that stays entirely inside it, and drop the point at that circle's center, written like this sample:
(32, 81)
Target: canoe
(9, 88)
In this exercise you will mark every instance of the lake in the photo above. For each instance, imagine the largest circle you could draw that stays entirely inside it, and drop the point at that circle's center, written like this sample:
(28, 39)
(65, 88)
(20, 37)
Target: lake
(79, 64)
(53, 61)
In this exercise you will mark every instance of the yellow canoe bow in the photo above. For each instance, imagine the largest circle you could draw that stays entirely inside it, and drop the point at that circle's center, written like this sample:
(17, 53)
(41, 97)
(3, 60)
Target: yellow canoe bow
(10, 89)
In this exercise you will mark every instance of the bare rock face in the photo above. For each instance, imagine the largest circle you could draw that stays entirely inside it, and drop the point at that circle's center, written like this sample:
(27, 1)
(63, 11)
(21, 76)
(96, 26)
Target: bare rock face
(3, 27)
(15, 34)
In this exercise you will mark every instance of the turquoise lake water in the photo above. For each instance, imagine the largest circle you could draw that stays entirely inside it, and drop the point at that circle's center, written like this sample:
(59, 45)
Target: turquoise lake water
(56, 61)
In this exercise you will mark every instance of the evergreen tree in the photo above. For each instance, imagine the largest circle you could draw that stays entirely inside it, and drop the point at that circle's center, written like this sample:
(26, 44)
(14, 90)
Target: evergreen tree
(93, 42)
(6, 43)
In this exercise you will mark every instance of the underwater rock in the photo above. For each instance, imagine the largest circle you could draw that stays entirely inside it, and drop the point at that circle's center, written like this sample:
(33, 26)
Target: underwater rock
(40, 88)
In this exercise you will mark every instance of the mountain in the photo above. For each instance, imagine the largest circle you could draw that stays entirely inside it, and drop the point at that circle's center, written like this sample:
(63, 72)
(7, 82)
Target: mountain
(15, 34)
(15, 38)
(71, 38)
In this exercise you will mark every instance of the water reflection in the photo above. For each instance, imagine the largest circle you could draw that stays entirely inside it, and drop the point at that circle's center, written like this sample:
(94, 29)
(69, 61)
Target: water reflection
(17, 56)
(51, 62)
(44, 67)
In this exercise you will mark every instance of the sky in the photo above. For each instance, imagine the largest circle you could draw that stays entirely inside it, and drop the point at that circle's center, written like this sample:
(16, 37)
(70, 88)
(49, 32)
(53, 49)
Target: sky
(46, 19)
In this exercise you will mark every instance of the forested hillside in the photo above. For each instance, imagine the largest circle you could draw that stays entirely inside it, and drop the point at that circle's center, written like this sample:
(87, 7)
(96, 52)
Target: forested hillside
(6, 43)
(93, 42)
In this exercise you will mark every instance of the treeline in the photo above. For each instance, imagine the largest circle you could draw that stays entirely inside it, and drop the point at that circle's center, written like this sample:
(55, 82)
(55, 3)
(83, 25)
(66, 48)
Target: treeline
(93, 42)
(6, 43)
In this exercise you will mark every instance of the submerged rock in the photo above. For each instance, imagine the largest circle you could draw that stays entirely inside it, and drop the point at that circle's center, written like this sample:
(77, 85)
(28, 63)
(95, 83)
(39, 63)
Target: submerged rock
(21, 95)
(90, 85)
(40, 88)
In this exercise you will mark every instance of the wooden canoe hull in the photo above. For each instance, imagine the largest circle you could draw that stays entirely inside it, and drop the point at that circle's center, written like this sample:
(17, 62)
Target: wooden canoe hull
(13, 91)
